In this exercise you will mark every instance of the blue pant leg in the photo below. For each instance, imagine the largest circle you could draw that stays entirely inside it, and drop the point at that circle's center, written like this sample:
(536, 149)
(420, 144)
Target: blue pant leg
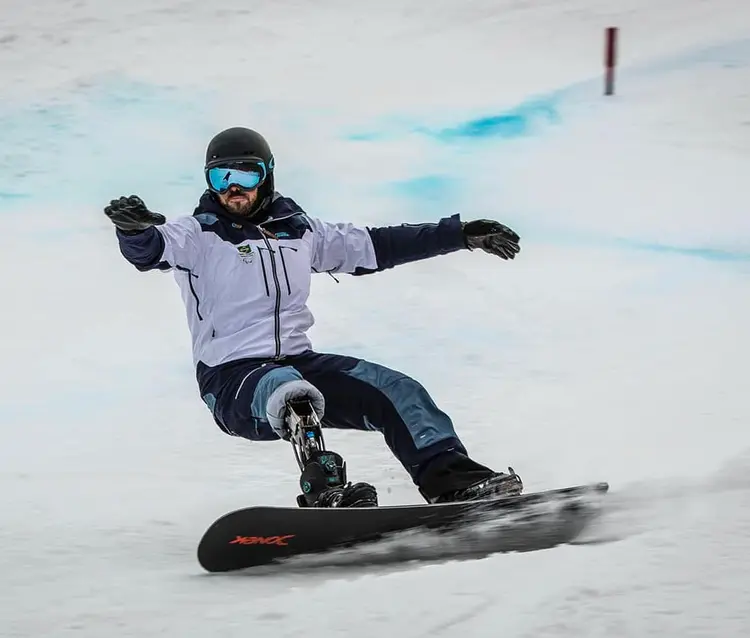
(363, 395)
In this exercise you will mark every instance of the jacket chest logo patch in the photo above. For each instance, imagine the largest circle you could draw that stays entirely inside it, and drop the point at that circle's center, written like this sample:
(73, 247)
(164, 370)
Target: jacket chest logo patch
(246, 253)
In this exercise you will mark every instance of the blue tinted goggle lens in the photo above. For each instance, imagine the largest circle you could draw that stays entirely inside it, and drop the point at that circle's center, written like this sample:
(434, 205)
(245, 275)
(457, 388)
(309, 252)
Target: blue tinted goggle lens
(248, 177)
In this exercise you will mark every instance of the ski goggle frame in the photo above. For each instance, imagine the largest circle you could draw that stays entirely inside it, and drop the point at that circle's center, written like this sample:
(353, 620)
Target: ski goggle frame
(247, 173)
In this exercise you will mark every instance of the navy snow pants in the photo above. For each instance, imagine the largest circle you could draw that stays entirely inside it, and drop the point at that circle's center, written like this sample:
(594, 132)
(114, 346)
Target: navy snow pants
(359, 395)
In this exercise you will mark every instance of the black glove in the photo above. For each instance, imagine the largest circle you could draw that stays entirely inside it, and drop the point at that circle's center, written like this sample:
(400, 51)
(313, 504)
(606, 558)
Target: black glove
(492, 237)
(131, 216)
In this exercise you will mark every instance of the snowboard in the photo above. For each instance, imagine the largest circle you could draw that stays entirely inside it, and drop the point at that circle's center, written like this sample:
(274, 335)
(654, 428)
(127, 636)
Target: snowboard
(261, 535)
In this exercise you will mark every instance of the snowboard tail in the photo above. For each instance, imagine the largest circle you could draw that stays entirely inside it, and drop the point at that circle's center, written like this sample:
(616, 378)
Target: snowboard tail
(260, 535)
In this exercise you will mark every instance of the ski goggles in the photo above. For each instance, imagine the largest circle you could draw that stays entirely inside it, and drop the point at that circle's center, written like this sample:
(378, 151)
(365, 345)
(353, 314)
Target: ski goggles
(247, 174)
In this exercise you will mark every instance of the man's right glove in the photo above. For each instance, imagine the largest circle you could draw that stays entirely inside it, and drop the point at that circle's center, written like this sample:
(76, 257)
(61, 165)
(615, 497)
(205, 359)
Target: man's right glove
(131, 216)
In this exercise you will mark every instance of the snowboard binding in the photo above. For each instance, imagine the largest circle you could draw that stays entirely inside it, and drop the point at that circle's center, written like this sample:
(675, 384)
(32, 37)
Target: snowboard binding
(323, 480)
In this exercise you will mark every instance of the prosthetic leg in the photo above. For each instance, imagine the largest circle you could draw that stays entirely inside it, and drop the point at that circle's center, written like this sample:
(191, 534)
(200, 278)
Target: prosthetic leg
(323, 480)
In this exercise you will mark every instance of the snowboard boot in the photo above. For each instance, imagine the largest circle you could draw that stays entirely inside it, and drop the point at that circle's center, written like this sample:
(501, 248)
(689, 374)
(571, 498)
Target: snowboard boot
(350, 495)
(498, 485)
(453, 476)
(324, 484)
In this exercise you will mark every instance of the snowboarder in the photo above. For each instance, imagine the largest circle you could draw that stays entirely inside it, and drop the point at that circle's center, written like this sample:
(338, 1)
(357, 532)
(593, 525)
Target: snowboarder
(243, 262)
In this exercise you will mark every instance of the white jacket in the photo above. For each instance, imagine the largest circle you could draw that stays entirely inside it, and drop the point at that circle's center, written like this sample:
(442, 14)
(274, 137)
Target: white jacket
(245, 285)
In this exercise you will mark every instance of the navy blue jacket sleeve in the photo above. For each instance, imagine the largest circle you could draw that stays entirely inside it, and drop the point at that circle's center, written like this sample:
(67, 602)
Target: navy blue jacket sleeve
(396, 245)
(144, 249)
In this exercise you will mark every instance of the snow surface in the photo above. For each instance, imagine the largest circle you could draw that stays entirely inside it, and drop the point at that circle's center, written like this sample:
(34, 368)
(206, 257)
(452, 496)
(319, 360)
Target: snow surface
(614, 348)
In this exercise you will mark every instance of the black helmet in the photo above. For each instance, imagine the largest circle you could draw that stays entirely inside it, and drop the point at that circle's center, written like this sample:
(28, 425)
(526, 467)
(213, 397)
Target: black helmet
(239, 145)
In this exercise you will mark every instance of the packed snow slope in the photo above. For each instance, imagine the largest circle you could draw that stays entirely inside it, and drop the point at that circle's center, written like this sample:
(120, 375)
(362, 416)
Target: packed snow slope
(613, 348)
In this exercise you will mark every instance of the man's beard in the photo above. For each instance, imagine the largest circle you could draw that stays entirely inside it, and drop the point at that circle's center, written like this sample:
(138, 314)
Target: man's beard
(240, 206)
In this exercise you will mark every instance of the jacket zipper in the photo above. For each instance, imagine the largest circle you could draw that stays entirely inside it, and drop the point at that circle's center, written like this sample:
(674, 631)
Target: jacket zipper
(283, 263)
(263, 266)
(192, 290)
(277, 309)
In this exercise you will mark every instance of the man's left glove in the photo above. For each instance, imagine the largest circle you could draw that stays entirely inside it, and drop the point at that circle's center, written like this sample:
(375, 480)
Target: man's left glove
(131, 215)
(492, 237)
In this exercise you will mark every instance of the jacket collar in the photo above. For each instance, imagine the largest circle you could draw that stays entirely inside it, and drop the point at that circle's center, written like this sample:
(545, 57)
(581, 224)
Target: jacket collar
(279, 208)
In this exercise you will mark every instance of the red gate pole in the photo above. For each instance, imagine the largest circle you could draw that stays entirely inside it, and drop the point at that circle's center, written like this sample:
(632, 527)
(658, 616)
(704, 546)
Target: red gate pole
(610, 60)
